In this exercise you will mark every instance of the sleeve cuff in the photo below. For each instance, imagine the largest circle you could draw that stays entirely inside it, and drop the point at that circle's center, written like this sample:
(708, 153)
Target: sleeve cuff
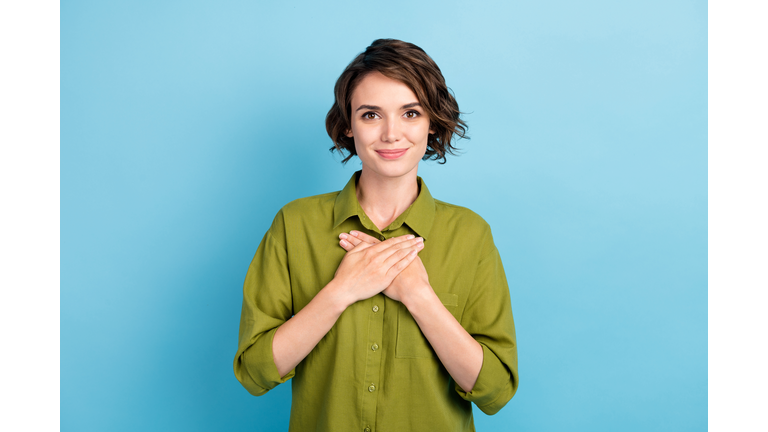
(260, 366)
(493, 388)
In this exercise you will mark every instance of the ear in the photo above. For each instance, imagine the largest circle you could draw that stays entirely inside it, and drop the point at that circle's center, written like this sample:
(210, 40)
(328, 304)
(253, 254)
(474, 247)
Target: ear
(348, 133)
(431, 129)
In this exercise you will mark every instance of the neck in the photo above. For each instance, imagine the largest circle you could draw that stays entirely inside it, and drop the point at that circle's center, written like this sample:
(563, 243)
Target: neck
(383, 199)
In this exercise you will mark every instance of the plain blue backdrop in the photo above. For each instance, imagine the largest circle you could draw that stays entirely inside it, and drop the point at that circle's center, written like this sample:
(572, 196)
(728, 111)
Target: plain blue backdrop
(185, 126)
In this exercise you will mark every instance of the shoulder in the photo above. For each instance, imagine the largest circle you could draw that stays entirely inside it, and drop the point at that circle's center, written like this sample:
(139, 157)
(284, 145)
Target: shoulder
(311, 204)
(312, 208)
(460, 217)
(464, 226)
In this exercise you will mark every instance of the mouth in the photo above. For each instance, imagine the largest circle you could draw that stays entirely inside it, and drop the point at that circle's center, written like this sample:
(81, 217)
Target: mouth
(392, 154)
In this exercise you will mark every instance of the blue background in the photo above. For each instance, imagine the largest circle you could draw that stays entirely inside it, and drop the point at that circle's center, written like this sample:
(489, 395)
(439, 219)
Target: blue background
(185, 126)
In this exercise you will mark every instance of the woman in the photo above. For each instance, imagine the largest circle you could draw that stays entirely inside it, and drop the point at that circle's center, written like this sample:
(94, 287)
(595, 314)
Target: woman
(389, 309)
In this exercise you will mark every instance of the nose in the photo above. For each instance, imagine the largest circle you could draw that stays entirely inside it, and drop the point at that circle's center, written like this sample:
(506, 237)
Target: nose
(391, 132)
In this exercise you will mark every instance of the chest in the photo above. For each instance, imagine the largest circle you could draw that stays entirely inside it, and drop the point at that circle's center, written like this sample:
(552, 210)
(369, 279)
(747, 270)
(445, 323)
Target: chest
(450, 261)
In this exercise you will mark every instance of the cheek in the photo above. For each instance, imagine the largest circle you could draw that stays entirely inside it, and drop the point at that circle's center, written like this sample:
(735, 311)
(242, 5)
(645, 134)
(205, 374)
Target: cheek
(353, 130)
(419, 135)
(362, 139)
(365, 136)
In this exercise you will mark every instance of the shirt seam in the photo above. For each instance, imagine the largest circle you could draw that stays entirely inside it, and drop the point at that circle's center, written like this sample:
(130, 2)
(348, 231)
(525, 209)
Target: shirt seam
(269, 233)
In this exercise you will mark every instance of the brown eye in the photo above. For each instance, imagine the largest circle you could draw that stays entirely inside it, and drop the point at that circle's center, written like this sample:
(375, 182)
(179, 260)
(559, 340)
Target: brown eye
(369, 116)
(411, 114)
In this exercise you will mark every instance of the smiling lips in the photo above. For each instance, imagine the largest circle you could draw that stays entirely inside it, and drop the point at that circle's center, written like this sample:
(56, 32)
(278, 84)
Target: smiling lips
(391, 154)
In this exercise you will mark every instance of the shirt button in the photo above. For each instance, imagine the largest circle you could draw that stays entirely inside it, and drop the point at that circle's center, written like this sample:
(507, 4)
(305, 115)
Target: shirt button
(371, 388)
(375, 308)
(374, 347)
(367, 429)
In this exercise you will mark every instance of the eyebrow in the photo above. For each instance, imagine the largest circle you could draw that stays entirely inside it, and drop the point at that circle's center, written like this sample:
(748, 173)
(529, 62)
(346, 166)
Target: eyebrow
(374, 107)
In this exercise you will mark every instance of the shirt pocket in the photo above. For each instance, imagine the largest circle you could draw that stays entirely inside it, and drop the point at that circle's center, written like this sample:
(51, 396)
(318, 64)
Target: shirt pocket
(411, 342)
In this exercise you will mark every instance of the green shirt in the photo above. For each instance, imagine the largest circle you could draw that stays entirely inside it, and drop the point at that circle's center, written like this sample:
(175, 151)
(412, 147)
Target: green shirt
(374, 370)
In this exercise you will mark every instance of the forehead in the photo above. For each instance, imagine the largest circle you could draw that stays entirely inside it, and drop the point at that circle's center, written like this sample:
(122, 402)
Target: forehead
(376, 89)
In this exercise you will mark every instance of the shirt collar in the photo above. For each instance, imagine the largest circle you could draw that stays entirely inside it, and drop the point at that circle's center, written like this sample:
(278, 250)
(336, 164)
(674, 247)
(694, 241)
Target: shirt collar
(418, 216)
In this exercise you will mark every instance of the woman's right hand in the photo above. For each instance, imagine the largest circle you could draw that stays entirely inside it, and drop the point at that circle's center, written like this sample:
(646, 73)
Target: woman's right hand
(368, 269)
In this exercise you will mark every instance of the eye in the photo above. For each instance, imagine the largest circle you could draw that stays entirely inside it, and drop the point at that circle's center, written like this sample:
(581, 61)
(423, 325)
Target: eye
(412, 114)
(370, 115)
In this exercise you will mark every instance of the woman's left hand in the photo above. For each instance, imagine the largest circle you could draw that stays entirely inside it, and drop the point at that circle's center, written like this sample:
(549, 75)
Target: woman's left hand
(408, 282)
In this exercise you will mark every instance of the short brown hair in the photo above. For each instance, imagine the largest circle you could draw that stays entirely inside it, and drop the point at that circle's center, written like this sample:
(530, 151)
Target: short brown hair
(409, 64)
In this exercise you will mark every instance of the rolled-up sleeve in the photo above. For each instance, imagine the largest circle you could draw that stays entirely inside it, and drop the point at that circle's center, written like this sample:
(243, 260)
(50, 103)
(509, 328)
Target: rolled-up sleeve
(488, 318)
(267, 303)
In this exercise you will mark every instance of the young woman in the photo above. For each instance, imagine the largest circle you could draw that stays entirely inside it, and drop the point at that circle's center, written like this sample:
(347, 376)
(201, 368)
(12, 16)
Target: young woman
(388, 308)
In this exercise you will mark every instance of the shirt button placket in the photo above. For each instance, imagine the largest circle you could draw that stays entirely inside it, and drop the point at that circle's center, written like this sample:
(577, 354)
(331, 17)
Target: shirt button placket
(372, 381)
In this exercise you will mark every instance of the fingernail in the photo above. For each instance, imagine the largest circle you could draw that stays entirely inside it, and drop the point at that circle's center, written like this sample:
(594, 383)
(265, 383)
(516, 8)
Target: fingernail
(421, 239)
(344, 242)
(409, 236)
(354, 233)
(343, 235)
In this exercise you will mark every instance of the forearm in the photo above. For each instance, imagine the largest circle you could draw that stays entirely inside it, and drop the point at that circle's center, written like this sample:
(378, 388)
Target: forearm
(295, 338)
(459, 352)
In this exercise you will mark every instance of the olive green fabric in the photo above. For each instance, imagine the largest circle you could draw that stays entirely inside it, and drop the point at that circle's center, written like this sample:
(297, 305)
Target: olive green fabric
(375, 370)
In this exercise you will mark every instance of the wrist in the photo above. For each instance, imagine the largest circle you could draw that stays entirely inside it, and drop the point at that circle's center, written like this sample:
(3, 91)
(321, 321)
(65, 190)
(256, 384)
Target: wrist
(337, 296)
(418, 295)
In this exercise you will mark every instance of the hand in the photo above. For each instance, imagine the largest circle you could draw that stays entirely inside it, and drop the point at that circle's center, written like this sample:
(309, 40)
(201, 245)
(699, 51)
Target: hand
(407, 282)
(367, 268)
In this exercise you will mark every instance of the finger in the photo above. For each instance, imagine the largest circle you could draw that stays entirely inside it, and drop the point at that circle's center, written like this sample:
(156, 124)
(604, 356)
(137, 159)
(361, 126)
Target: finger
(346, 245)
(397, 252)
(349, 242)
(381, 246)
(350, 239)
(364, 237)
(401, 264)
(357, 246)
(417, 243)
(360, 246)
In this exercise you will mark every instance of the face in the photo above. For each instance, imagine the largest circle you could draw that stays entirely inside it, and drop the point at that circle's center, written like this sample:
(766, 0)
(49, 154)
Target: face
(389, 126)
